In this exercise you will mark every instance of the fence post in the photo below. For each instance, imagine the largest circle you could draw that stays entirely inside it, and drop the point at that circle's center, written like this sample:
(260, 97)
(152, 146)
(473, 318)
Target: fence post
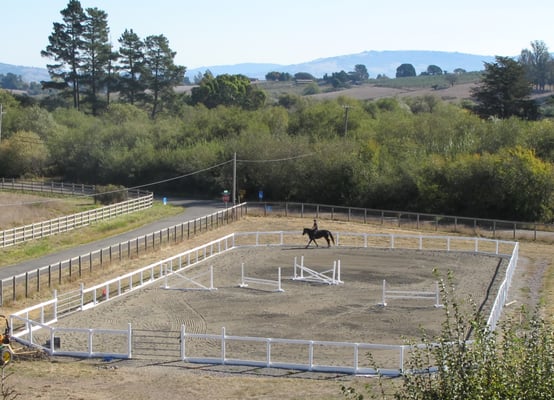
(13, 288)
(26, 284)
(38, 280)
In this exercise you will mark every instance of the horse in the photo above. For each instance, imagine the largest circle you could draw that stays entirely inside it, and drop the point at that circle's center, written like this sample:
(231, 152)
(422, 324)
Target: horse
(320, 233)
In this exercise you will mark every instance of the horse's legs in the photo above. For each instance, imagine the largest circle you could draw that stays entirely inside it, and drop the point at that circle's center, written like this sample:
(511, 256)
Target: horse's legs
(328, 241)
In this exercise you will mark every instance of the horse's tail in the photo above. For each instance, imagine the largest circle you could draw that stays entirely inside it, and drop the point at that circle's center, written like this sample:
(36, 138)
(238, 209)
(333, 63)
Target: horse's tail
(332, 238)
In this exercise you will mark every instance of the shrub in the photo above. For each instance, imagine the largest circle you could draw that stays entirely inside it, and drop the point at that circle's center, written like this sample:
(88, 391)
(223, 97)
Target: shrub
(513, 362)
(110, 194)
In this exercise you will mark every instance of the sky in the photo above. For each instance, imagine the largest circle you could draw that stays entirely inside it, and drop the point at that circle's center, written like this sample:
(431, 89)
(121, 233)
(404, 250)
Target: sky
(221, 32)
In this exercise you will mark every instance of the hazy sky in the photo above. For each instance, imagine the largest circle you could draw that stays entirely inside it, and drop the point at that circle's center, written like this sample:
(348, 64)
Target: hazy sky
(220, 32)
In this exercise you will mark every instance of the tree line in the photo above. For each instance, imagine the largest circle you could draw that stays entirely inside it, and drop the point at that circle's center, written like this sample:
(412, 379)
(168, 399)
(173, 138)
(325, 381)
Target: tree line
(416, 154)
(86, 69)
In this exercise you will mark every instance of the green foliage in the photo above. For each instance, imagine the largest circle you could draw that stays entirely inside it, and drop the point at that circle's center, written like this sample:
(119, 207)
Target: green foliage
(110, 194)
(227, 90)
(13, 82)
(414, 154)
(538, 64)
(23, 154)
(278, 76)
(504, 91)
(405, 70)
(513, 362)
(428, 81)
(434, 70)
(360, 73)
(311, 88)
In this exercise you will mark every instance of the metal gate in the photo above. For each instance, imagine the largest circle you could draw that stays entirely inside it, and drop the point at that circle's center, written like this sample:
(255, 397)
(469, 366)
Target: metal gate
(69, 302)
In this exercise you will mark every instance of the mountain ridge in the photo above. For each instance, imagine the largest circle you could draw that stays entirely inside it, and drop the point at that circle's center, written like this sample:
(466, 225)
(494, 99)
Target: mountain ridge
(382, 62)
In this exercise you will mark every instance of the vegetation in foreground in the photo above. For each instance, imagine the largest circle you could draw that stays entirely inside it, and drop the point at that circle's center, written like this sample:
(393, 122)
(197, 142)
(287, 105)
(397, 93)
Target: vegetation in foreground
(513, 362)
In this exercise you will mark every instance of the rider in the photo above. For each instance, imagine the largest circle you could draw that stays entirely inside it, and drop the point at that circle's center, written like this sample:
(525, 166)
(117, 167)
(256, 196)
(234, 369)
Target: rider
(315, 227)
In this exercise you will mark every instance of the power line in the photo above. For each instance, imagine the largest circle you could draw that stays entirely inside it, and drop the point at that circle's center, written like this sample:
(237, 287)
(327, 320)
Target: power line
(168, 179)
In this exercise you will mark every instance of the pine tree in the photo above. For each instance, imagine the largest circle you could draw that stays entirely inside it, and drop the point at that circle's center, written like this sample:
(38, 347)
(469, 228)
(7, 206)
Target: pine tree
(131, 66)
(97, 54)
(65, 48)
(160, 75)
(504, 91)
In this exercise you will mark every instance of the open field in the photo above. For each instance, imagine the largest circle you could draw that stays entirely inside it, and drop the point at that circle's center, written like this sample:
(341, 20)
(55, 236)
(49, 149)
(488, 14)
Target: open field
(18, 209)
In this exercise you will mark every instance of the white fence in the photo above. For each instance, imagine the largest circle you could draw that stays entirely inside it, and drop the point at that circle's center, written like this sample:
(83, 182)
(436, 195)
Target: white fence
(25, 284)
(42, 316)
(21, 234)
(47, 187)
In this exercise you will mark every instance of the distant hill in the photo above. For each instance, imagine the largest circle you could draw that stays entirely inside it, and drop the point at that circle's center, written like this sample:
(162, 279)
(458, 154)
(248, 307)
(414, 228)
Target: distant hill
(376, 62)
(28, 74)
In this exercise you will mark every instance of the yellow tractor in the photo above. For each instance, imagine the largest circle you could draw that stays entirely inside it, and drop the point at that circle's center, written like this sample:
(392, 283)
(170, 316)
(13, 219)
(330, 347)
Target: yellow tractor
(6, 351)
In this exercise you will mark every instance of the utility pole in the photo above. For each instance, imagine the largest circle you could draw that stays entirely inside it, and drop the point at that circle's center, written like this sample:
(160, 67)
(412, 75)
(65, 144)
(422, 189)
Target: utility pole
(346, 107)
(234, 194)
(1, 113)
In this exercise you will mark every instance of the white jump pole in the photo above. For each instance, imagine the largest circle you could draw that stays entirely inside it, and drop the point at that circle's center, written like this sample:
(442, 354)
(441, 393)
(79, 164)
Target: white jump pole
(242, 284)
(437, 297)
(384, 302)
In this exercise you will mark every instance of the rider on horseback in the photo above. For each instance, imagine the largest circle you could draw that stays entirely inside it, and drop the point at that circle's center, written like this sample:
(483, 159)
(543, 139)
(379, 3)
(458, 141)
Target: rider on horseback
(315, 227)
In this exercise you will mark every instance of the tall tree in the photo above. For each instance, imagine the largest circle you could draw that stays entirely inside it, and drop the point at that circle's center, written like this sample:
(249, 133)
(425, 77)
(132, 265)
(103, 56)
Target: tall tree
(131, 66)
(65, 48)
(360, 73)
(161, 75)
(504, 91)
(405, 70)
(434, 70)
(536, 62)
(97, 55)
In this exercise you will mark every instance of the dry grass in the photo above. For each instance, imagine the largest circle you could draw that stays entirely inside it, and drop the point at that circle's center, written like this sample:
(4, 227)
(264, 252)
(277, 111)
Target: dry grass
(18, 209)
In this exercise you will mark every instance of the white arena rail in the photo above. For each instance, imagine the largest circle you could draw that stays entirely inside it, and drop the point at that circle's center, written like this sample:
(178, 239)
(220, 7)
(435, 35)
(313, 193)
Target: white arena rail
(24, 323)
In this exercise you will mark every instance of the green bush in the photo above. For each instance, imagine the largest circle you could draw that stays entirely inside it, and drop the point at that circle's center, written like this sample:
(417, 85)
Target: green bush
(110, 194)
(513, 362)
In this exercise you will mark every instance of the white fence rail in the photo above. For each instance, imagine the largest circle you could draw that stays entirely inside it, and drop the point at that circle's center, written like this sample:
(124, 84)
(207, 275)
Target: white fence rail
(21, 234)
(47, 187)
(29, 282)
(42, 316)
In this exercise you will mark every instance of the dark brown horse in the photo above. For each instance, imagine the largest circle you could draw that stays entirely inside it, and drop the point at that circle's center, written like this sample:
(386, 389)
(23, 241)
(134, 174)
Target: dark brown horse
(320, 233)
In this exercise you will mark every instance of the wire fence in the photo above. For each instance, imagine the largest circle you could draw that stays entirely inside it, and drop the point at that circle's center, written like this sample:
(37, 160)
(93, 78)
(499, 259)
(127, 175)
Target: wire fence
(490, 228)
